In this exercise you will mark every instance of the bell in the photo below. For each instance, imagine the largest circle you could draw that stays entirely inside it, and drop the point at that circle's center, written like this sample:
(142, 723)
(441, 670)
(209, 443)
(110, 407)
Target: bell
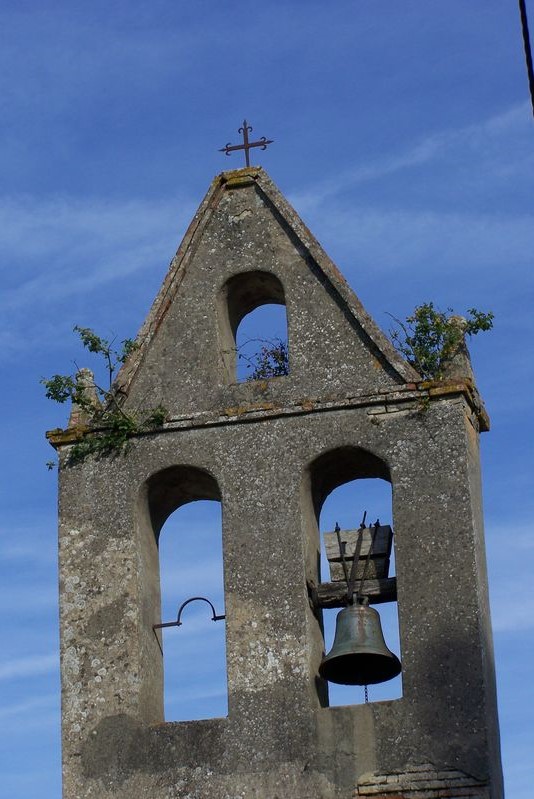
(359, 655)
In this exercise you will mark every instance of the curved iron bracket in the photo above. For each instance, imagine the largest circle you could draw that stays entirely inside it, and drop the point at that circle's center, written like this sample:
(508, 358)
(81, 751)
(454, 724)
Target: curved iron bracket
(178, 622)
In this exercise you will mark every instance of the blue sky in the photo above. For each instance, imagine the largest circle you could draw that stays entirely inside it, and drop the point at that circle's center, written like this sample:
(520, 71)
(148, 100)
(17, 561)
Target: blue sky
(403, 136)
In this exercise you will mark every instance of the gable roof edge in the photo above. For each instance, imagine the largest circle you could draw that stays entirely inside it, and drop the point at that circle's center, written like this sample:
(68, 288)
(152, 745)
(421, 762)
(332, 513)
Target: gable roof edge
(169, 287)
(370, 328)
(178, 266)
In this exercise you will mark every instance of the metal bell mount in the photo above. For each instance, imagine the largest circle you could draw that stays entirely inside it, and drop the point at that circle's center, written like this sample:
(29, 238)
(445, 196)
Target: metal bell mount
(359, 655)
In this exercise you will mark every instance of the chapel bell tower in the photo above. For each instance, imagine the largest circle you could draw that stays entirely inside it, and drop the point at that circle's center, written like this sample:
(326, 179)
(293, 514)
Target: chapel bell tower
(271, 451)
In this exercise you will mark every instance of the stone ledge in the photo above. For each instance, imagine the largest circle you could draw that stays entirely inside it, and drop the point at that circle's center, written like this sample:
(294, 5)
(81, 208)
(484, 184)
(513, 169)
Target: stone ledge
(404, 397)
(473, 792)
(420, 782)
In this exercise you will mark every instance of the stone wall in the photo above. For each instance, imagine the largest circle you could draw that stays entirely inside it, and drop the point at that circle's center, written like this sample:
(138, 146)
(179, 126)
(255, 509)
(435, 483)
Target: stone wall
(421, 782)
(271, 451)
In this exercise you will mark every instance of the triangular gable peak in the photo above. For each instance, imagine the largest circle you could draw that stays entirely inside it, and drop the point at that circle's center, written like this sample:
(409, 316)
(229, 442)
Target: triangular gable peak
(247, 246)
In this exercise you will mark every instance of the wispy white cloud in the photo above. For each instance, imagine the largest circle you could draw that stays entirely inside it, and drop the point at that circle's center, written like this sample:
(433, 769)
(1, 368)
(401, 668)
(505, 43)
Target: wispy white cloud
(187, 579)
(30, 666)
(30, 707)
(29, 543)
(193, 694)
(28, 553)
(38, 713)
(520, 537)
(63, 246)
(427, 236)
(510, 549)
(55, 251)
(447, 240)
(406, 241)
(63, 66)
(19, 598)
(478, 139)
(511, 616)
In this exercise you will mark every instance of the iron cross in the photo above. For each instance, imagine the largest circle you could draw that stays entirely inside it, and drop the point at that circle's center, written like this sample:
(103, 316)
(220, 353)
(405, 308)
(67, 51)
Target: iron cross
(247, 145)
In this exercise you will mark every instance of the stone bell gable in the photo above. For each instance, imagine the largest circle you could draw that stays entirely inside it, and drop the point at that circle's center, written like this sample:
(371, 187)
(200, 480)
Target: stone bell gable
(271, 451)
(246, 247)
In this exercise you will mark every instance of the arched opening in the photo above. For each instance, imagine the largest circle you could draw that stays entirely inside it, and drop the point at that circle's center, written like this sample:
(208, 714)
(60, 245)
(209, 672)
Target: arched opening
(253, 328)
(345, 484)
(185, 509)
(261, 344)
(190, 553)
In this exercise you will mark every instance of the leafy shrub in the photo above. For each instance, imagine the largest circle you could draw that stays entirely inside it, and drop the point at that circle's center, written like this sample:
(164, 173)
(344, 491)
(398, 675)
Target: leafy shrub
(428, 338)
(108, 426)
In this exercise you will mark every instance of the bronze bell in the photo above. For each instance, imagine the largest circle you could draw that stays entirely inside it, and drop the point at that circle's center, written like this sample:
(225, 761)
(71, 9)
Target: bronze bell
(359, 655)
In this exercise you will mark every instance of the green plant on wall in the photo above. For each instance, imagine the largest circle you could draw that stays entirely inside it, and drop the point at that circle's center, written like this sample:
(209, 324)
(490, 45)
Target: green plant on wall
(107, 426)
(429, 337)
(270, 360)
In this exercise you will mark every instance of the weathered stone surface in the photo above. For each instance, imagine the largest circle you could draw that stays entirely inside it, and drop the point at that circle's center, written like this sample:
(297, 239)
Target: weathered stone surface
(187, 345)
(421, 782)
(272, 451)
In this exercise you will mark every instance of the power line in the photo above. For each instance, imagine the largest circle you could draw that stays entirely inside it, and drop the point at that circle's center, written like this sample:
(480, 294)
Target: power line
(528, 51)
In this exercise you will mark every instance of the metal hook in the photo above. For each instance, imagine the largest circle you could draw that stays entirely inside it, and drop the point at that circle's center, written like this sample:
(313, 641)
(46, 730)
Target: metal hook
(178, 623)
